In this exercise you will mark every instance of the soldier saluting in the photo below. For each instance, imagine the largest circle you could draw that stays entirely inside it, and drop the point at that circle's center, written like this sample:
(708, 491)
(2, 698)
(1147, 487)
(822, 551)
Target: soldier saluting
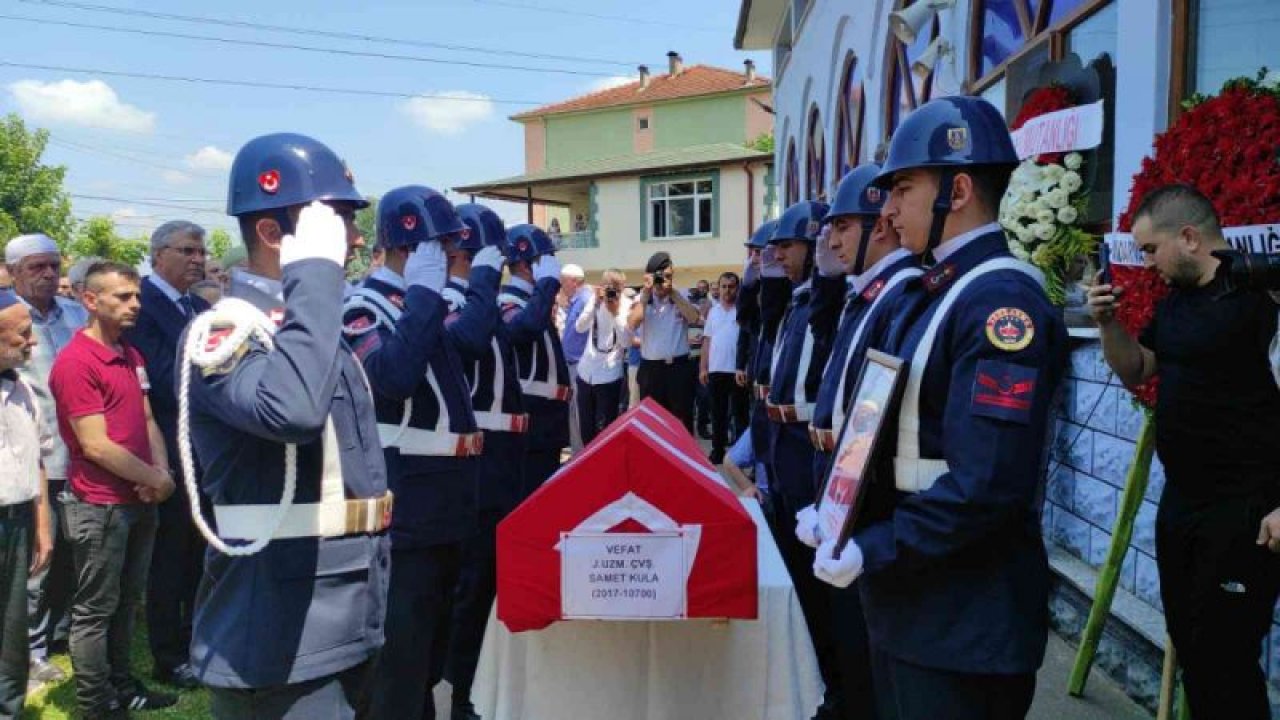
(290, 609)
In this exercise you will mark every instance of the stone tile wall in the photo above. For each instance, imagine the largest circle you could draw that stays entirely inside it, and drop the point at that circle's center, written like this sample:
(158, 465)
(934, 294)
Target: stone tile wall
(1097, 428)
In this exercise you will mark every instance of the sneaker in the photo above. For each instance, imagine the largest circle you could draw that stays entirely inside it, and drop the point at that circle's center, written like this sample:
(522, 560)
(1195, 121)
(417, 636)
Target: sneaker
(43, 671)
(111, 711)
(144, 699)
(181, 676)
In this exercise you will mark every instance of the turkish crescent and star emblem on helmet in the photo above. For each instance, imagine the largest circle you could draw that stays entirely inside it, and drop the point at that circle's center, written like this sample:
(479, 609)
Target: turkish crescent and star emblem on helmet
(957, 138)
(873, 194)
(269, 181)
(1010, 329)
(409, 222)
(812, 228)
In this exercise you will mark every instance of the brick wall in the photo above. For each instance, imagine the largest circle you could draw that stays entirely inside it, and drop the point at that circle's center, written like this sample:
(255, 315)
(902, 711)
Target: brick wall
(1097, 428)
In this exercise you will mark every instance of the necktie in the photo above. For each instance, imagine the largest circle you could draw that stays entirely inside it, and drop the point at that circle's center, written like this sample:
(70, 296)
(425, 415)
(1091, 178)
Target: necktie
(184, 304)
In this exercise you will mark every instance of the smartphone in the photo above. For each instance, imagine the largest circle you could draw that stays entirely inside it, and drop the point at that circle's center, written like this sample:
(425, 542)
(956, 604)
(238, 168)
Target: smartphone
(1104, 262)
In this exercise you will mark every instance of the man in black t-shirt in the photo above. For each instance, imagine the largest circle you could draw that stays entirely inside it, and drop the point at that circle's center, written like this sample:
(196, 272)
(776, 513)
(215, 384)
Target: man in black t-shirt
(1217, 421)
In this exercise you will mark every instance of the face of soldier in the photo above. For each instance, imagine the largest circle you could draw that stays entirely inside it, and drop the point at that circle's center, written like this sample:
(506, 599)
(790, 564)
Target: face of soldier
(1168, 253)
(909, 208)
(35, 277)
(793, 254)
(16, 338)
(459, 259)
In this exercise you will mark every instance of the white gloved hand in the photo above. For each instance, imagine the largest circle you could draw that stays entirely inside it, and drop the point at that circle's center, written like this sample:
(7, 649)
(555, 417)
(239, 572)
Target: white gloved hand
(825, 258)
(546, 266)
(839, 571)
(807, 530)
(427, 266)
(770, 265)
(320, 233)
(750, 272)
(489, 257)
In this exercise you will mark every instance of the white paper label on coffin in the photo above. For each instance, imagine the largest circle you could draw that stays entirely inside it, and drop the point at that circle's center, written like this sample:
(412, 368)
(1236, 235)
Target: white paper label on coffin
(634, 507)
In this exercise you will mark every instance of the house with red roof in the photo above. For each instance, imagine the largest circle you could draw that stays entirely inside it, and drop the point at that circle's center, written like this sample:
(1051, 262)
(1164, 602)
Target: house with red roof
(680, 162)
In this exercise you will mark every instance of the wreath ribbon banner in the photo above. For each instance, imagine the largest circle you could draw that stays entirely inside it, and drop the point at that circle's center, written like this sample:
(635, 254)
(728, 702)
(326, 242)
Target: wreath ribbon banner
(1248, 238)
(1075, 128)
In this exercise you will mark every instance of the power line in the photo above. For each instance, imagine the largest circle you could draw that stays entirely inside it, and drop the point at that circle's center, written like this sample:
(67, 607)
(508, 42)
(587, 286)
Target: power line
(268, 86)
(594, 16)
(304, 48)
(135, 201)
(319, 33)
(59, 142)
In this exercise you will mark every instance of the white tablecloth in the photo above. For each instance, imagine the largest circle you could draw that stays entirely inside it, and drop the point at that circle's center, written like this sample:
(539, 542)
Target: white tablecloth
(761, 669)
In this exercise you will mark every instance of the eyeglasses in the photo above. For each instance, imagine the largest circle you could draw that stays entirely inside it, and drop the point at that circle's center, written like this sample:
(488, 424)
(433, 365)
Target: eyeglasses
(188, 250)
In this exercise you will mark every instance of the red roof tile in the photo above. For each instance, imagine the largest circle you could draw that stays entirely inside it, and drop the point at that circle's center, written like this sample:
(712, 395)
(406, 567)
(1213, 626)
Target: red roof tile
(691, 82)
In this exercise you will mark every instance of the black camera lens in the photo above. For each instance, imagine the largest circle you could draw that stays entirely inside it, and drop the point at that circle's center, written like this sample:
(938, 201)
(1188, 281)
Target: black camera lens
(611, 294)
(659, 279)
(1253, 271)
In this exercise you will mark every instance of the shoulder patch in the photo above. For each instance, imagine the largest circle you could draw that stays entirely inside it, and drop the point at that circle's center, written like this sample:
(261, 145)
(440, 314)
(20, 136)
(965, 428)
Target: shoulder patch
(1010, 329)
(873, 290)
(358, 323)
(218, 336)
(1004, 391)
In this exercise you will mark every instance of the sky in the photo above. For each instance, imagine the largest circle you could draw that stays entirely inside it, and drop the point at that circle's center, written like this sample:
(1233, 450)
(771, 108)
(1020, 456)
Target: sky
(146, 150)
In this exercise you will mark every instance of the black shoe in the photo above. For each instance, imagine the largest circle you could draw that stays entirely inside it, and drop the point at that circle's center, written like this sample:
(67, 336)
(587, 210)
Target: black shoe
(144, 699)
(181, 676)
(704, 432)
(464, 712)
(716, 457)
(110, 711)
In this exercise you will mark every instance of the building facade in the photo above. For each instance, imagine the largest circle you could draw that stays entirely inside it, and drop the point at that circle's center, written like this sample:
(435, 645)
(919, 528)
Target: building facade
(842, 82)
(677, 162)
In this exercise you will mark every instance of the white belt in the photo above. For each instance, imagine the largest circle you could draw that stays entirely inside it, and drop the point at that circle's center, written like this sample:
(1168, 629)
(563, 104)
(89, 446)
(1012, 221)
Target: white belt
(415, 441)
(544, 389)
(323, 519)
(789, 413)
(503, 422)
(915, 475)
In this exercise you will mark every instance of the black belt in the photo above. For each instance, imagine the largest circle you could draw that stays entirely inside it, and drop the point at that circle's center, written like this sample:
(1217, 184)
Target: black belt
(16, 510)
(671, 360)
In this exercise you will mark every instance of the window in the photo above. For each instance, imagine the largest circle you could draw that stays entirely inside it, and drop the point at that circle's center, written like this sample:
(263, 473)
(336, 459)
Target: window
(850, 114)
(1230, 39)
(782, 46)
(903, 97)
(681, 208)
(1004, 29)
(816, 159)
(791, 193)
(644, 123)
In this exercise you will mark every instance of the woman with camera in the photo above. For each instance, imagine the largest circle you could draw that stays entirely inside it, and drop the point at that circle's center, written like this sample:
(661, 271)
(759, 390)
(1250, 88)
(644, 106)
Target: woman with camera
(602, 367)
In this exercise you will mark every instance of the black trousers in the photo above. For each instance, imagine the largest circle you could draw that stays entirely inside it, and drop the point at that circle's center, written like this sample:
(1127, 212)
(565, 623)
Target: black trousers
(853, 654)
(49, 593)
(177, 561)
(671, 385)
(729, 411)
(813, 594)
(598, 406)
(419, 611)
(332, 697)
(1219, 589)
(911, 692)
(17, 538)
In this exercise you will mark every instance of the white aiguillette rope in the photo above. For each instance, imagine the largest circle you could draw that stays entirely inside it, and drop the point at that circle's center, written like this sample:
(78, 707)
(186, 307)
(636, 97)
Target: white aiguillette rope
(245, 320)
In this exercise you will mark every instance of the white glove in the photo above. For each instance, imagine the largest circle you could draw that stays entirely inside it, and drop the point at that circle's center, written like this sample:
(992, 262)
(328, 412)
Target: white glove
(839, 571)
(770, 265)
(427, 266)
(489, 257)
(807, 530)
(320, 234)
(825, 258)
(546, 266)
(750, 272)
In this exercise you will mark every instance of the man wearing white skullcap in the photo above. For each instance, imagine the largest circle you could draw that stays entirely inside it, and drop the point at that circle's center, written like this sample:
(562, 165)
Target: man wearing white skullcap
(35, 264)
(574, 288)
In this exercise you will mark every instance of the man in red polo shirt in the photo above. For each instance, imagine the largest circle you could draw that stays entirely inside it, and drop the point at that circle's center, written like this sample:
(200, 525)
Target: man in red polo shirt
(118, 471)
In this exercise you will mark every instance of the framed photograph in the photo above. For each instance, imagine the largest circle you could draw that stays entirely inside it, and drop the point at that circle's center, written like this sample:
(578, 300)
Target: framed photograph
(879, 386)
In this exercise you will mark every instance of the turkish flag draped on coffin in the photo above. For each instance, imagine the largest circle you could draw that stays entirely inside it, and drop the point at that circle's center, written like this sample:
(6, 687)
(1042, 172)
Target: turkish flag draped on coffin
(644, 471)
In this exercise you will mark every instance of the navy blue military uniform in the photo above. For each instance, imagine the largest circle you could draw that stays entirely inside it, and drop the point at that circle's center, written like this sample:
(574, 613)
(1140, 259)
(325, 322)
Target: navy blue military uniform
(765, 303)
(544, 375)
(178, 556)
(956, 578)
(432, 463)
(304, 610)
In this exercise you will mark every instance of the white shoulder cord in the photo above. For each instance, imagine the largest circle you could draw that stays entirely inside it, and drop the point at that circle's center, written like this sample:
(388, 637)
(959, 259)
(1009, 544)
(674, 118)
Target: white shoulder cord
(245, 320)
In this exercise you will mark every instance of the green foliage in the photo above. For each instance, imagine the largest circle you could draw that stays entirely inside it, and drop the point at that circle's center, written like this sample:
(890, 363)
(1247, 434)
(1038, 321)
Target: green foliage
(1259, 83)
(97, 237)
(31, 194)
(219, 243)
(367, 223)
(763, 142)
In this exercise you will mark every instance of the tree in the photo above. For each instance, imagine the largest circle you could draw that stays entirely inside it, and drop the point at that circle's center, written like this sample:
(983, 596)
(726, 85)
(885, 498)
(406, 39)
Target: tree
(367, 223)
(763, 142)
(219, 243)
(31, 195)
(96, 237)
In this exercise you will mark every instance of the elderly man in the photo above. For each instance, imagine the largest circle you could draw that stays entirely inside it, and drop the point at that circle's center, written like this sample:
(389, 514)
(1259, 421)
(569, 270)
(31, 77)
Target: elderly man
(573, 288)
(34, 262)
(177, 262)
(26, 539)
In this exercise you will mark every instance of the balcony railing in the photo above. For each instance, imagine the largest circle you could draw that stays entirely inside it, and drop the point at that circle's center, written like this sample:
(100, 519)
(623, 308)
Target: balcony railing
(576, 240)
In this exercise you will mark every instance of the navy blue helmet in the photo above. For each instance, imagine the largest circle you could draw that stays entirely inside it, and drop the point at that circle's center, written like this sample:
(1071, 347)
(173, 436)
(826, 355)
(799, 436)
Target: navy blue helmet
(857, 193)
(526, 243)
(487, 229)
(277, 171)
(761, 236)
(801, 221)
(950, 132)
(412, 214)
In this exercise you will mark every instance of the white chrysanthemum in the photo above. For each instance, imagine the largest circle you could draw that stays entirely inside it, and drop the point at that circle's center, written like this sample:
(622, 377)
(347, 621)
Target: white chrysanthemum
(1045, 217)
(1057, 198)
(1068, 215)
(1073, 161)
(1025, 236)
(1053, 172)
(1044, 231)
(1019, 251)
(1072, 181)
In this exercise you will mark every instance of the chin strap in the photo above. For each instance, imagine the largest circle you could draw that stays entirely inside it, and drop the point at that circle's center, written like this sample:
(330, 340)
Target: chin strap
(868, 225)
(941, 207)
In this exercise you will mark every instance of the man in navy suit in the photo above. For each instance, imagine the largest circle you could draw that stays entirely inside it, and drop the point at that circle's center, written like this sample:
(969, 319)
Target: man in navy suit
(177, 259)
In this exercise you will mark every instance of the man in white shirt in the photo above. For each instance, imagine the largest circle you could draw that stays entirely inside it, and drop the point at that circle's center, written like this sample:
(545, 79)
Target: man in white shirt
(26, 539)
(602, 365)
(719, 353)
